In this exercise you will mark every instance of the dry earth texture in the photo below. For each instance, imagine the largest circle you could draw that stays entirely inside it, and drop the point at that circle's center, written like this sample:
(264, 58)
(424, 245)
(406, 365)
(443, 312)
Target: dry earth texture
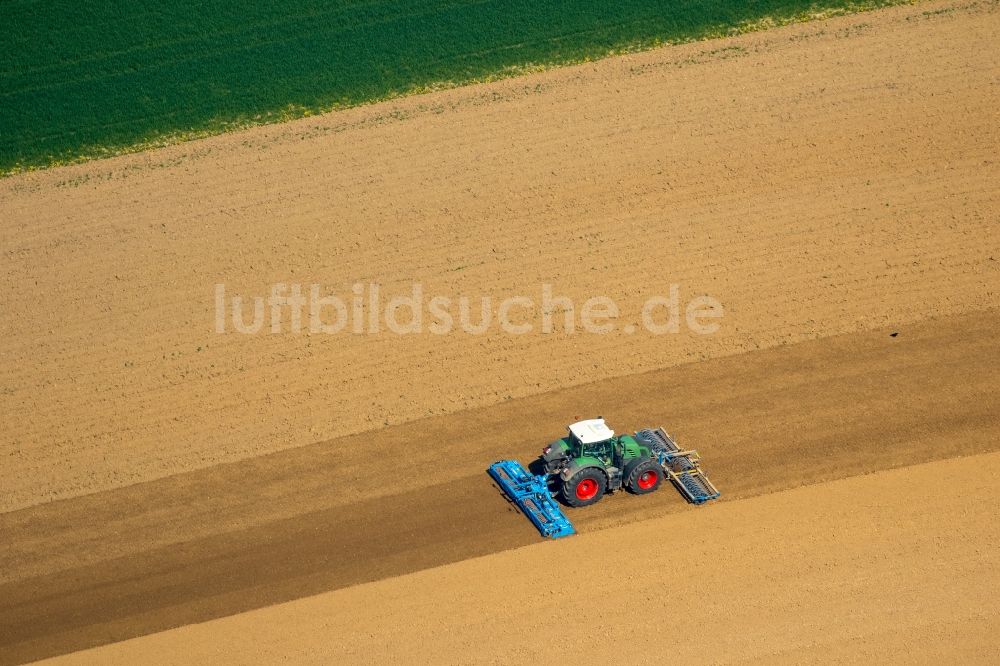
(235, 537)
(830, 184)
(850, 571)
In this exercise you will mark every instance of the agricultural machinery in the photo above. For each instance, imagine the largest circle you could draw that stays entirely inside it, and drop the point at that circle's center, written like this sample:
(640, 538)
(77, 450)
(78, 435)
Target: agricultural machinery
(590, 462)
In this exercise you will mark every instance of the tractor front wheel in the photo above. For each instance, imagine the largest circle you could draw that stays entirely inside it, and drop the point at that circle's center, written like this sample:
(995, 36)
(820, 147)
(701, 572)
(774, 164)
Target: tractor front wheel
(645, 477)
(585, 487)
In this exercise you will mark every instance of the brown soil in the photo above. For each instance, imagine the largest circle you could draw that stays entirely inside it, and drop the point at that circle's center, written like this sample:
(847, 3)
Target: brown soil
(829, 183)
(850, 571)
(234, 537)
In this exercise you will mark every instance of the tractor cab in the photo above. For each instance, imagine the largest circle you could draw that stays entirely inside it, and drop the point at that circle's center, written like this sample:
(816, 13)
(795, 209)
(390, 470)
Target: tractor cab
(586, 439)
(593, 438)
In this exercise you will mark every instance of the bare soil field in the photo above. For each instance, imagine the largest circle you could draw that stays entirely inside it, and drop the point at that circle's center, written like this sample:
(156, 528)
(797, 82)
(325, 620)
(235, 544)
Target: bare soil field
(844, 572)
(234, 537)
(833, 185)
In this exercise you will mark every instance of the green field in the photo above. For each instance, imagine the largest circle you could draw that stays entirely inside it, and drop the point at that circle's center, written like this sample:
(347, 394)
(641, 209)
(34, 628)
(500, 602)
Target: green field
(90, 79)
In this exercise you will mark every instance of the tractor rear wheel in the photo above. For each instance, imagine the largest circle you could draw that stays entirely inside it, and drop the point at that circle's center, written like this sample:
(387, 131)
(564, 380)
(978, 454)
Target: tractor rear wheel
(585, 487)
(645, 477)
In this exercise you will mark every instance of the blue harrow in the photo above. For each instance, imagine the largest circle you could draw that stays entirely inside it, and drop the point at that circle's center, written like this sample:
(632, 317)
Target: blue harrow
(531, 494)
(683, 468)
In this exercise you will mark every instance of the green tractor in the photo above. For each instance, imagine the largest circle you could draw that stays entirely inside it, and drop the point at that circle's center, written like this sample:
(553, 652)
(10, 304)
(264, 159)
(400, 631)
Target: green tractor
(591, 461)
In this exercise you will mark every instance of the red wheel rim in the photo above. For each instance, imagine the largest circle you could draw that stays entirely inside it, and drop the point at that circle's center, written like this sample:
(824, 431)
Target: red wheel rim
(647, 480)
(586, 489)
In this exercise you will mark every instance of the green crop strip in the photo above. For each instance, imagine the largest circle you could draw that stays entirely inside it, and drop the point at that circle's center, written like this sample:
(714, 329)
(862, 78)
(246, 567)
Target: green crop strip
(82, 80)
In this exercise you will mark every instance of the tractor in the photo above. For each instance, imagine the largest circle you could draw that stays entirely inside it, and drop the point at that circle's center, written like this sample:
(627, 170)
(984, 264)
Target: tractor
(591, 461)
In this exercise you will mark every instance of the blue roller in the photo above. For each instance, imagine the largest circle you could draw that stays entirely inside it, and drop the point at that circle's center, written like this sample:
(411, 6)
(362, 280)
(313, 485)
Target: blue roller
(531, 494)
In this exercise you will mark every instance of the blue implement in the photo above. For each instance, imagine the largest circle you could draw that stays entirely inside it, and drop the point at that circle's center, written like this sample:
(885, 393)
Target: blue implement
(531, 494)
(683, 468)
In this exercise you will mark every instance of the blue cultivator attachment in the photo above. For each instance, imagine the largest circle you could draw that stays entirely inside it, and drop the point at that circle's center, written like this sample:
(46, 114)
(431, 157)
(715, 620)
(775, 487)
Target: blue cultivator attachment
(532, 494)
(683, 468)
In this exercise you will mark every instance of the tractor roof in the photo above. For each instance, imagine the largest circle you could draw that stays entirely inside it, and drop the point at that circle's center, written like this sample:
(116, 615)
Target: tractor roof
(592, 430)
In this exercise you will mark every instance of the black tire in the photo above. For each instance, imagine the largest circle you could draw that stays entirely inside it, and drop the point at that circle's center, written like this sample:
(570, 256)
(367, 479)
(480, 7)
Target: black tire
(584, 488)
(644, 477)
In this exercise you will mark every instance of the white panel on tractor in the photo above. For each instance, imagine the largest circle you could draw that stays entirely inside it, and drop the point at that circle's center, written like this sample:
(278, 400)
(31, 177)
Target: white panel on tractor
(592, 430)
